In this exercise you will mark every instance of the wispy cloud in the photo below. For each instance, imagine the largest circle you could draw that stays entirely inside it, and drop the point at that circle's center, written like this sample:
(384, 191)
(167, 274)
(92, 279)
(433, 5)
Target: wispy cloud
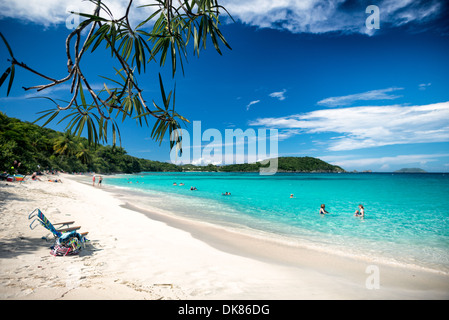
(370, 126)
(424, 86)
(322, 16)
(382, 94)
(252, 103)
(285, 134)
(353, 161)
(52, 12)
(298, 16)
(54, 92)
(279, 95)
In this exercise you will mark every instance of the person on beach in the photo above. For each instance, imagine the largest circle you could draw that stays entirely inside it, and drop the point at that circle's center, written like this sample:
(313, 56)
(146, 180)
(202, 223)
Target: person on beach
(34, 177)
(100, 179)
(93, 180)
(323, 210)
(360, 212)
(15, 167)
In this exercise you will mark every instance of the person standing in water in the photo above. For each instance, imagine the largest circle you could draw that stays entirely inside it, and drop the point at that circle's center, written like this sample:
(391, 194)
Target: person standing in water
(323, 210)
(360, 212)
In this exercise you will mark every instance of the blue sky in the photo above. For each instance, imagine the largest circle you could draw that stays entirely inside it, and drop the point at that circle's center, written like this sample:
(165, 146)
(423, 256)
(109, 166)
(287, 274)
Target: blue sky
(359, 98)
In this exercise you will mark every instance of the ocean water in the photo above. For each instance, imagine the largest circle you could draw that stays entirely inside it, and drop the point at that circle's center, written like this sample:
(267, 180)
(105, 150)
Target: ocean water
(406, 215)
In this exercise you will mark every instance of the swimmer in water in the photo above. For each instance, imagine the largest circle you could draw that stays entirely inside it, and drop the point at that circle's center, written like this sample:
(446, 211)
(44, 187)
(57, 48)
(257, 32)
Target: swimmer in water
(323, 210)
(360, 212)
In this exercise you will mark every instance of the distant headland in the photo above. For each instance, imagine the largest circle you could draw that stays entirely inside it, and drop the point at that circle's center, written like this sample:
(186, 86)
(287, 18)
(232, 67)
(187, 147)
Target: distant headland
(411, 170)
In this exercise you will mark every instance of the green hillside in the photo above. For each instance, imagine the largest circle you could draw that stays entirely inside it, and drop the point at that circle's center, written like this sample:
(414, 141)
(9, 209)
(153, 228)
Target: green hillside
(287, 164)
(411, 170)
(38, 148)
(42, 148)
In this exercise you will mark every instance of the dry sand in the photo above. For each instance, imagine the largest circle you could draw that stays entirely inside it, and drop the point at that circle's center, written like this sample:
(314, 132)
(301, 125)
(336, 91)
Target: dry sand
(136, 253)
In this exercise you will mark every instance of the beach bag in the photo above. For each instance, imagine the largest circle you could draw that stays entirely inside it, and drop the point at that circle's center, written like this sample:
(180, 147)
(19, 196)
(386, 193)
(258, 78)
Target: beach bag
(60, 250)
(69, 243)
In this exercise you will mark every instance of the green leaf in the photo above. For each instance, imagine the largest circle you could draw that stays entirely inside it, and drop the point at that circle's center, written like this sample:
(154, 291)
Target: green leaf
(173, 58)
(115, 134)
(11, 79)
(7, 45)
(102, 32)
(137, 54)
(150, 17)
(80, 125)
(165, 45)
(113, 37)
(83, 99)
(129, 48)
(196, 41)
(164, 99)
(51, 118)
(222, 38)
(213, 38)
(90, 16)
(73, 121)
(5, 75)
(47, 113)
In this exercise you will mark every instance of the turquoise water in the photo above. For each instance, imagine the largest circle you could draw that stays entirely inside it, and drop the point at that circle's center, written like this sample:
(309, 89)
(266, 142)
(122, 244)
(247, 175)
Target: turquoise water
(406, 215)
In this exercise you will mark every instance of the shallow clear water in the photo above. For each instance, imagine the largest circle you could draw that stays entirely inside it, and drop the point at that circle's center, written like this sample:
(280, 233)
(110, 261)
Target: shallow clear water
(406, 215)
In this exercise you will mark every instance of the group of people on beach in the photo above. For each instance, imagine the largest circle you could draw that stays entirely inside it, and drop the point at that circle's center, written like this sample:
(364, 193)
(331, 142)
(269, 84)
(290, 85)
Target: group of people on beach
(100, 180)
(360, 212)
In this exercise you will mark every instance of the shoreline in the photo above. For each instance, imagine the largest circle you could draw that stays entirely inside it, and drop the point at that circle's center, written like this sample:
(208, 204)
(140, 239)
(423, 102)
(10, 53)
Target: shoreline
(131, 195)
(137, 254)
(270, 251)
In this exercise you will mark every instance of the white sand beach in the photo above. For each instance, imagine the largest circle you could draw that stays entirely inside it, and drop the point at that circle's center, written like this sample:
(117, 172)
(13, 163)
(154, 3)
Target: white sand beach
(134, 254)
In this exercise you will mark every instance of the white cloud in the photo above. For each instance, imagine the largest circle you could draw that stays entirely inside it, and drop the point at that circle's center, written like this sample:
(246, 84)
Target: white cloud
(252, 103)
(298, 16)
(352, 161)
(56, 91)
(370, 126)
(285, 134)
(423, 86)
(382, 94)
(279, 95)
(52, 12)
(321, 16)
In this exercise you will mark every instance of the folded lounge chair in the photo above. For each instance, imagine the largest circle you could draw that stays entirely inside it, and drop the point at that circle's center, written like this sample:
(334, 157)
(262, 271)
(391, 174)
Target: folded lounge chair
(68, 241)
(57, 233)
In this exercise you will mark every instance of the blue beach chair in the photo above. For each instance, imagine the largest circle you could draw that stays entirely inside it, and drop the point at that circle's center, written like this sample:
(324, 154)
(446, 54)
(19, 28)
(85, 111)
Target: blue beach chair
(42, 219)
(68, 240)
